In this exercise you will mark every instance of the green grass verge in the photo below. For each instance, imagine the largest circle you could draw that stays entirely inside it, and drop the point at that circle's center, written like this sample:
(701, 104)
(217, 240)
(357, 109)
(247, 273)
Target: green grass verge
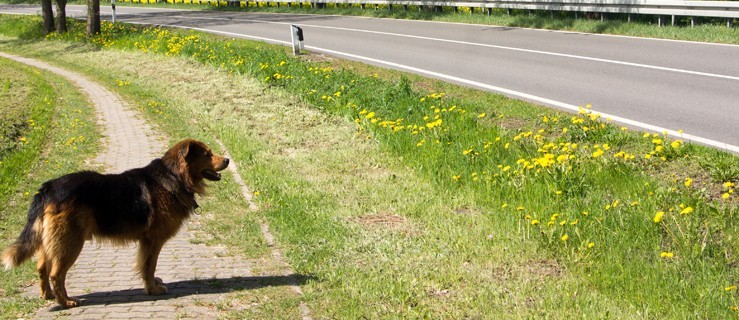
(53, 133)
(469, 209)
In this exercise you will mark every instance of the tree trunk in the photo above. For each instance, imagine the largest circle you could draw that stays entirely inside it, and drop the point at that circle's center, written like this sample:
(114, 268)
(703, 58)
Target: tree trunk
(48, 15)
(93, 17)
(61, 16)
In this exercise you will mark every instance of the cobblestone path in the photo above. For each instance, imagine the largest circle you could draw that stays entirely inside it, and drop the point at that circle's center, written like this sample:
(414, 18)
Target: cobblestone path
(198, 276)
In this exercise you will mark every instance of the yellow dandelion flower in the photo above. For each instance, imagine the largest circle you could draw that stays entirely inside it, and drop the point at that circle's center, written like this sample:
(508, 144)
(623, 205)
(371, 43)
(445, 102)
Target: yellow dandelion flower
(482, 115)
(730, 288)
(505, 205)
(688, 182)
(687, 210)
(666, 255)
(658, 217)
(535, 222)
(591, 245)
(565, 237)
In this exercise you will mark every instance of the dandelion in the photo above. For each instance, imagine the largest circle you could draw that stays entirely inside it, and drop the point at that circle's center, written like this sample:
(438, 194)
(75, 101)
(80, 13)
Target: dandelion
(456, 178)
(482, 115)
(256, 193)
(535, 222)
(667, 255)
(687, 210)
(725, 196)
(730, 288)
(565, 237)
(505, 205)
(728, 185)
(591, 245)
(688, 182)
(658, 217)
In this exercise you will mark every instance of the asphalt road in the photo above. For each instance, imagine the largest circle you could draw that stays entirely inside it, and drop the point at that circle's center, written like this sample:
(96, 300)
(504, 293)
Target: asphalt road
(646, 83)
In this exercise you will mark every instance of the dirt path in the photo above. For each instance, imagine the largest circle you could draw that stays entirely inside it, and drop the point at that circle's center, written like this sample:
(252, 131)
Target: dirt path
(198, 277)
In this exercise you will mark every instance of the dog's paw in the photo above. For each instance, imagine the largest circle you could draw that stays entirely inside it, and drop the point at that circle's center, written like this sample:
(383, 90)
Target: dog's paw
(48, 295)
(158, 281)
(156, 290)
(70, 303)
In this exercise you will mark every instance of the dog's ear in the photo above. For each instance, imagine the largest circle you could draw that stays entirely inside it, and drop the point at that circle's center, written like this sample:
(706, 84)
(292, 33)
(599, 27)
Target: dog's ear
(176, 159)
(190, 150)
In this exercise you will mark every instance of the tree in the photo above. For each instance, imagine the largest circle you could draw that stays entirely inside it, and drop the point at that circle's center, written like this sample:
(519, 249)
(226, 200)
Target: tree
(61, 16)
(93, 17)
(48, 14)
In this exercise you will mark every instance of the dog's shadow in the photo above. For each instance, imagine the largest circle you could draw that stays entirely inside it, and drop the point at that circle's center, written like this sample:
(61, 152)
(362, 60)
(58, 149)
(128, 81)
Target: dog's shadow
(185, 288)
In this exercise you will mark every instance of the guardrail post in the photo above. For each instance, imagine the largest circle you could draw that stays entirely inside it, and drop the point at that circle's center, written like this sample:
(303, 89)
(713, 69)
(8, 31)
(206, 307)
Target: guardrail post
(490, 11)
(692, 22)
(673, 20)
(659, 21)
(112, 5)
(628, 18)
(729, 22)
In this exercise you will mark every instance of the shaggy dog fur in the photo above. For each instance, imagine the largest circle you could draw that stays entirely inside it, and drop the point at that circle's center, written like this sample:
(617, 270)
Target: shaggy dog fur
(146, 205)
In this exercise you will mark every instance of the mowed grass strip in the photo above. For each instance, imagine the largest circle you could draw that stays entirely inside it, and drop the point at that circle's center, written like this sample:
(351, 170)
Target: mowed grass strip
(53, 132)
(497, 208)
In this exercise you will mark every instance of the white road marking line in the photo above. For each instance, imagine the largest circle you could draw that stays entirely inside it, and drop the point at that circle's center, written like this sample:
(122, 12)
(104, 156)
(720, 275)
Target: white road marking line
(566, 106)
(556, 54)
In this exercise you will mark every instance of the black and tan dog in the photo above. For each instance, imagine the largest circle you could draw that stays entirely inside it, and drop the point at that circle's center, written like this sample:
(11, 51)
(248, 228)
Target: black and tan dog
(147, 205)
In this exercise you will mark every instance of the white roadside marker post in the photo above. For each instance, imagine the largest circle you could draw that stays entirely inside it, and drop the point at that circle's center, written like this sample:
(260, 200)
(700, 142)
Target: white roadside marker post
(112, 5)
(297, 38)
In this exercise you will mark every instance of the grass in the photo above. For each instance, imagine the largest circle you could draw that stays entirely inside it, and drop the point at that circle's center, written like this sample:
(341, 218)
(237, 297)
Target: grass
(501, 209)
(53, 132)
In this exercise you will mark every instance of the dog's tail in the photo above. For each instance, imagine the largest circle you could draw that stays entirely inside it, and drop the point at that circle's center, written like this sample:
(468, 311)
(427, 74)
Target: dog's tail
(30, 238)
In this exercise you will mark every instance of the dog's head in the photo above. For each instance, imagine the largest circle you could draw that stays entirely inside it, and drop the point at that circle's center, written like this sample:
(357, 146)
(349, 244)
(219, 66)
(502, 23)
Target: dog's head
(194, 163)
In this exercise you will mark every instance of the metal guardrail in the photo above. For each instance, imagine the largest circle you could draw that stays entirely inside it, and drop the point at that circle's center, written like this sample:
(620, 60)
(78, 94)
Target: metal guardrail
(715, 9)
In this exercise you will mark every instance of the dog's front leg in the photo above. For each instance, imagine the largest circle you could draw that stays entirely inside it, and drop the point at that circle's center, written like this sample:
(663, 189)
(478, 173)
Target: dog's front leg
(146, 263)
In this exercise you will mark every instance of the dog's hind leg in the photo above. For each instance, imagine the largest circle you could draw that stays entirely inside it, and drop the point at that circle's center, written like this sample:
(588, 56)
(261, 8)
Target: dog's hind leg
(62, 244)
(43, 267)
(146, 264)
